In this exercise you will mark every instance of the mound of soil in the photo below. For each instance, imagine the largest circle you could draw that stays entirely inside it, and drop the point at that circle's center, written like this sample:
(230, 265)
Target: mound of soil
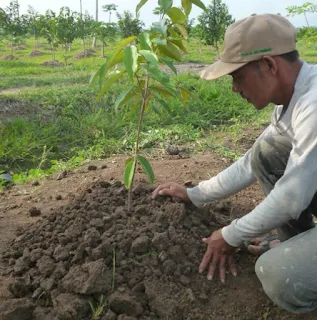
(9, 57)
(186, 67)
(145, 261)
(19, 48)
(84, 54)
(52, 63)
(36, 53)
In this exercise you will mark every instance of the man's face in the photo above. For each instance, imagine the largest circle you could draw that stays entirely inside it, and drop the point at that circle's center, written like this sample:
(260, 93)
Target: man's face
(254, 83)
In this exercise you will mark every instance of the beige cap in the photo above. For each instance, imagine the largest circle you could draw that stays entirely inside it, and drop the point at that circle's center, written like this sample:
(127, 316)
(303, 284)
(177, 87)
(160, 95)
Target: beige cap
(250, 39)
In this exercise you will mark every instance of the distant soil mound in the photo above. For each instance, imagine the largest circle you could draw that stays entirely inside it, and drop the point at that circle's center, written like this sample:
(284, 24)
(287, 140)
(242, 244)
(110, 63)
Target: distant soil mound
(52, 63)
(84, 54)
(9, 57)
(19, 48)
(36, 53)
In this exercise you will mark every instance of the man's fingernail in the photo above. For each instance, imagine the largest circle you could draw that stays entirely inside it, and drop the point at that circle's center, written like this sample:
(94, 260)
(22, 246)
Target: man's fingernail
(200, 270)
(209, 277)
(204, 239)
(222, 281)
(234, 274)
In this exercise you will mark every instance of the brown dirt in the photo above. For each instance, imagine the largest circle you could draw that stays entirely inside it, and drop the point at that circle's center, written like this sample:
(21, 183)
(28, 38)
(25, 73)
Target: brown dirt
(36, 53)
(11, 108)
(60, 239)
(9, 57)
(52, 63)
(19, 48)
(186, 67)
(84, 54)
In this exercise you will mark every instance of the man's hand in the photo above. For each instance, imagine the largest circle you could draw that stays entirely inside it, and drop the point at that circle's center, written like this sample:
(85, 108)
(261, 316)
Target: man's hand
(171, 189)
(219, 253)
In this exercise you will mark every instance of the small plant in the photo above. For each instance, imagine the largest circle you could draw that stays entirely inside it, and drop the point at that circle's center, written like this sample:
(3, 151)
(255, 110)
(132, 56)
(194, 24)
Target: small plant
(98, 309)
(139, 57)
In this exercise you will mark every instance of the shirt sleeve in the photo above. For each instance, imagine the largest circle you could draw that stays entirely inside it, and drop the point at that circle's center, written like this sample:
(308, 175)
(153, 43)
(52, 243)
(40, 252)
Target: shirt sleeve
(231, 180)
(292, 193)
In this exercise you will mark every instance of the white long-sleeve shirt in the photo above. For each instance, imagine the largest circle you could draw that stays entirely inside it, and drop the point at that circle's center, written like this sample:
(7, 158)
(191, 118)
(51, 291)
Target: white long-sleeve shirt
(294, 191)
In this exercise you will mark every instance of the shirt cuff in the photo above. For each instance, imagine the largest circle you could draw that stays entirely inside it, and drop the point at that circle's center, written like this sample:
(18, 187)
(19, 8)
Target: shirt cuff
(230, 237)
(194, 195)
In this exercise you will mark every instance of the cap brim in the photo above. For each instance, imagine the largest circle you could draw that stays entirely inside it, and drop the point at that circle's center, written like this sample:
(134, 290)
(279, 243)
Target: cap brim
(220, 69)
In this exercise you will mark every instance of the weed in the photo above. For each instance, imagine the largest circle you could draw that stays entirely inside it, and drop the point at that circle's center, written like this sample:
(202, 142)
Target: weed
(98, 308)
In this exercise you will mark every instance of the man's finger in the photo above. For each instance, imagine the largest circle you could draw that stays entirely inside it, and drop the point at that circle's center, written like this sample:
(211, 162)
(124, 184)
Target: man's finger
(159, 189)
(213, 266)
(222, 268)
(232, 266)
(206, 259)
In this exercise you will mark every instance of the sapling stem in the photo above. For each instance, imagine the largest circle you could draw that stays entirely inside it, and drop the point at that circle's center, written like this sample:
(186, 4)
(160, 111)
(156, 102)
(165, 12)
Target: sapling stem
(136, 150)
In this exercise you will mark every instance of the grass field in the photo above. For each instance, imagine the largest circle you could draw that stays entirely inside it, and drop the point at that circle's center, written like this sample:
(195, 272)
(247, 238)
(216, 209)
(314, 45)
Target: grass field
(53, 120)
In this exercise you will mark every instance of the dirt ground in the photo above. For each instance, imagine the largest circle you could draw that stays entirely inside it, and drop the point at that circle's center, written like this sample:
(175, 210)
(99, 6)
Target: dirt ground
(82, 243)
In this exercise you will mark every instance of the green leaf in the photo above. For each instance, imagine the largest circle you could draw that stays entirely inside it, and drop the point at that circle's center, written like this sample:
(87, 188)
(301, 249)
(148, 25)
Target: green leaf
(145, 41)
(139, 6)
(108, 65)
(179, 43)
(147, 168)
(172, 32)
(169, 64)
(124, 97)
(176, 15)
(165, 105)
(129, 172)
(149, 57)
(170, 51)
(160, 76)
(198, 3)
(156, 109)
(182, 30)
(163, 91)
(110, 81)
(185, 94)
(130, 59)
(118, 52)
(165, 4)
(161, 27)
(187, 6)
(159, 41)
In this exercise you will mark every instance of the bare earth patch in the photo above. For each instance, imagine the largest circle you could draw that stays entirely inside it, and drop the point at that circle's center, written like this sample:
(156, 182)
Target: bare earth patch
(9, 57)
(84, 54)
(36, 53)
(188, 67)
(52, 63)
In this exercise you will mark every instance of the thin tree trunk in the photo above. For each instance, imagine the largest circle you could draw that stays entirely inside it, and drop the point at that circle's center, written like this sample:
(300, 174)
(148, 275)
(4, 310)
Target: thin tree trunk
(94, 42)
(306, 19)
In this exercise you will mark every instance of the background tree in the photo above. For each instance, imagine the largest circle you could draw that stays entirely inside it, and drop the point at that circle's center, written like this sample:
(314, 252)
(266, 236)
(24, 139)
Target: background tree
(158, 11)
(66, 26)
(49, 31)
(214, 22)
(13, 26)
(94, 42)
(109, 8)
(128, 25)
(307, 7)
(197, 32)
(105, 32)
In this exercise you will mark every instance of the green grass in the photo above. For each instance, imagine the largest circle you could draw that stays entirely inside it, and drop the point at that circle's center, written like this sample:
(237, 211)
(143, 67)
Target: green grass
(70, 126)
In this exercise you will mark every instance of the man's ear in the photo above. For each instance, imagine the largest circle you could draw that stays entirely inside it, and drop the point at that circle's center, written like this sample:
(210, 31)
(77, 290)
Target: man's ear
(270, 64)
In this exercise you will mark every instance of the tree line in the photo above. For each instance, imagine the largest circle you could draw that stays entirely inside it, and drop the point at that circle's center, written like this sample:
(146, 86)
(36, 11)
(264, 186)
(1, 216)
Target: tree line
(62, 28)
